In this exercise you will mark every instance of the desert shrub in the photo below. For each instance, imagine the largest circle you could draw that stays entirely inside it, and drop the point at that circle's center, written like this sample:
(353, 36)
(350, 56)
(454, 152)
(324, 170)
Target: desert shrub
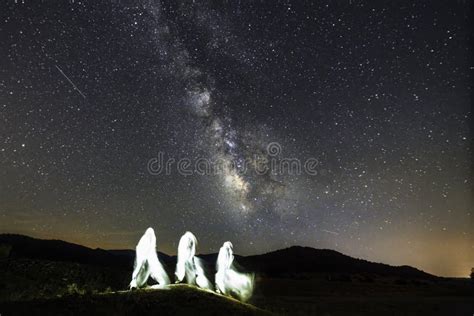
(108, 290)
(74, 289)
(5, 250)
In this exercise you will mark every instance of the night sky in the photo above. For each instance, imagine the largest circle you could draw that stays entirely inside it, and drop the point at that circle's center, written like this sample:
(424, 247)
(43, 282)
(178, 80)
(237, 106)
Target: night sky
(377, 93)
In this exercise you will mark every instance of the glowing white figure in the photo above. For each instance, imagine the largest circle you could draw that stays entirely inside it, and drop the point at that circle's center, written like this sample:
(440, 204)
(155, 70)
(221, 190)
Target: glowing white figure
(201, 279)
(188, 265)
(228, 280)
(147, 263)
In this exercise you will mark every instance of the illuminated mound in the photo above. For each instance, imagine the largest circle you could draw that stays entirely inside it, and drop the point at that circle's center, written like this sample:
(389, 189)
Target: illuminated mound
(177, 300)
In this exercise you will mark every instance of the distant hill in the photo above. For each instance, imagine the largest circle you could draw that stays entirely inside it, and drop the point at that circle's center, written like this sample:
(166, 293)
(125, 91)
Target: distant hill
(58, 250)
(282, 262)
(298, 259)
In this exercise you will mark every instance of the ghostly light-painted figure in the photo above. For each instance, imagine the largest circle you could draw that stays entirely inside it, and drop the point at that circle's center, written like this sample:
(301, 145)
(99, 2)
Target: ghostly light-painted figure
(147, 263)
(228, 280)
(188, 265)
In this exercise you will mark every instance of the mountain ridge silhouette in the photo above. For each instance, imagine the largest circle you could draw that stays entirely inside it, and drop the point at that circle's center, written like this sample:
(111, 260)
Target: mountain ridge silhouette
(287, 261)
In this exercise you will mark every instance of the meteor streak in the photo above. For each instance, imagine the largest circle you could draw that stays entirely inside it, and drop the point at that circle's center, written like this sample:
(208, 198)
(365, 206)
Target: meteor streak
(70, 81)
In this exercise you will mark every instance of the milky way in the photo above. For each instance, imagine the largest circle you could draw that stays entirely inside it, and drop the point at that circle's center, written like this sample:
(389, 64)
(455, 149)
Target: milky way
(376, 94)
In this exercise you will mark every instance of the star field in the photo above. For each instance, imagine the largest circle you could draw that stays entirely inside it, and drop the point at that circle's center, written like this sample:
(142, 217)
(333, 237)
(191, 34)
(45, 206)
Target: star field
(377, 93)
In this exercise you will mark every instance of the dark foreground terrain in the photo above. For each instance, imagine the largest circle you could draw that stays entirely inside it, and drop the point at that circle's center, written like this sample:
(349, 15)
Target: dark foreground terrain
(57, 278)
(177, 300)
(281, 296)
